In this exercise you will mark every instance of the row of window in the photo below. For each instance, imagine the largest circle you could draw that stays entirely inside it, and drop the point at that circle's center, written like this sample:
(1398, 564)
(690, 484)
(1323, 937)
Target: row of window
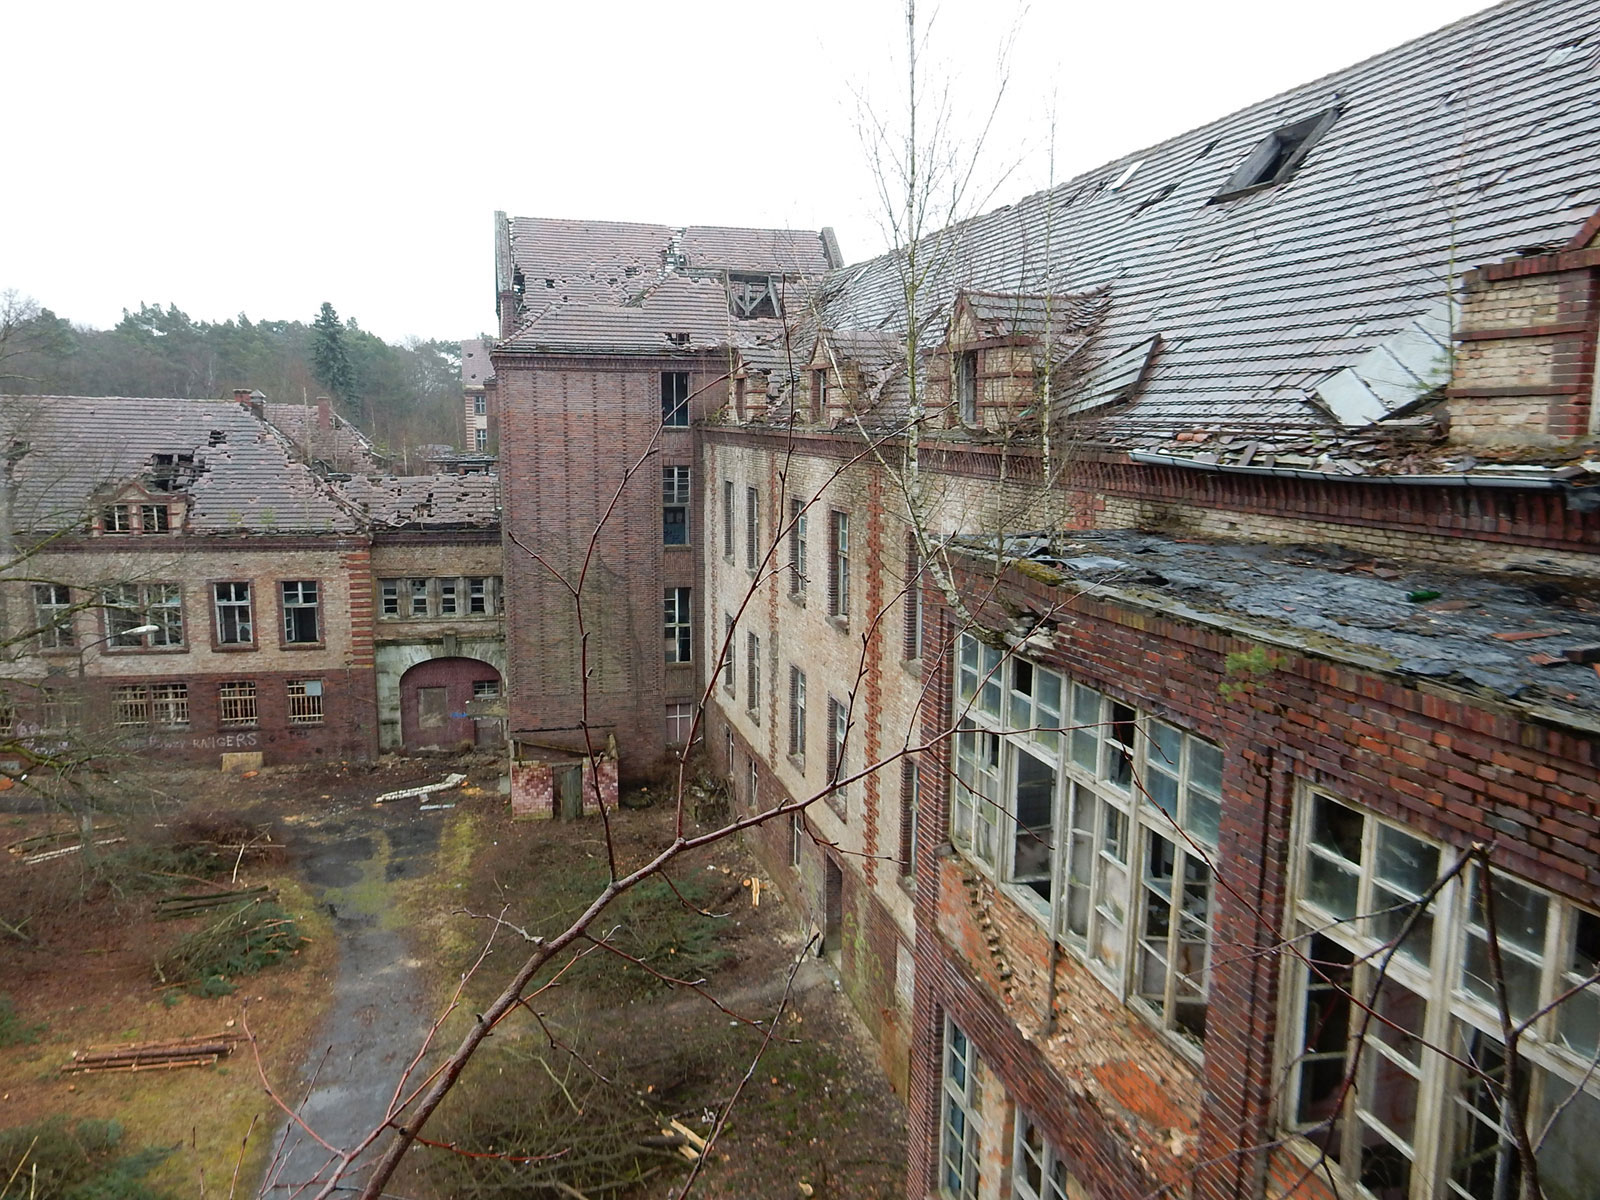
(136, 518)
(150, 615)
(448, 596)
(1104, 821)
(166, 705)
(799, 579)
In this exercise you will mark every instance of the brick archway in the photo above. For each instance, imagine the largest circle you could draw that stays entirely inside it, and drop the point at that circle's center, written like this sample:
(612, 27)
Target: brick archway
(440, 700)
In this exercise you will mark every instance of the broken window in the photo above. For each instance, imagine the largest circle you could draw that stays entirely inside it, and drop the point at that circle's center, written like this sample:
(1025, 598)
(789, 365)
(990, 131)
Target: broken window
(1037, 1172)
(675, 506)
(116, 518)
(727, 654)
(305, 701)
(675, 398)
(751, 296)
(485, 689)
(153, 518)
(52, 615)
(679, 625)
(236, 704)
(819, 394)
(967, 387)
(302, 612)
(1363, 1005)
(388, 597)
(449, 597)
(417, 589)
(482, 591)
(232, 604)
(1277, 156)
(155, 610)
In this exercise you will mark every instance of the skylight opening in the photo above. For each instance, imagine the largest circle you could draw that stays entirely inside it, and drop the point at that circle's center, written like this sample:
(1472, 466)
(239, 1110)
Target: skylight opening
(1277, 156)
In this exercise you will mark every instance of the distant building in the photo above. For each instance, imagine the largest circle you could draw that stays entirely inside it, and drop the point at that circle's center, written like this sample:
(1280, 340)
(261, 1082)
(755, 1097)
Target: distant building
(480, 413)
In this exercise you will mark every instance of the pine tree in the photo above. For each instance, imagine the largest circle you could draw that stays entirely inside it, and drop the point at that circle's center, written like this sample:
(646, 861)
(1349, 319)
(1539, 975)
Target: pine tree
(330, 357)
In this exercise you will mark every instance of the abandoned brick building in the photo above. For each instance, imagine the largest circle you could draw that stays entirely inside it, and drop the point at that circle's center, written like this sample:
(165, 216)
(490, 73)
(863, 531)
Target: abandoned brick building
(1194, 671)
(208, 580)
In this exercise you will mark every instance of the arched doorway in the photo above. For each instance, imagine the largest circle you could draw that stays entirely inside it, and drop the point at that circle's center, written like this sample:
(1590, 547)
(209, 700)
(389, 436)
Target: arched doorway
(447, 704)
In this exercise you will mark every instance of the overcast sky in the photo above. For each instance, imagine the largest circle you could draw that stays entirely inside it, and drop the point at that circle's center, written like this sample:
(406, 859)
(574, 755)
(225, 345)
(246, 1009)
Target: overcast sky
(265, 158)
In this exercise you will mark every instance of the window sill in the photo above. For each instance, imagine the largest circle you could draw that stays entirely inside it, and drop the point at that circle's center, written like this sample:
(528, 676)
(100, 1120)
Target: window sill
(841, 623)
(317, 724)
(302, 645)
(232, 647)
(798, 599)
(797, 761)
(253, 727)
(135, 651)
(912, 667)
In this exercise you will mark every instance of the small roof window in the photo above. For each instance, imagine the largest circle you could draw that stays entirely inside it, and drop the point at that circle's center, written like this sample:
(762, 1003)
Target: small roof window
(1277, 156)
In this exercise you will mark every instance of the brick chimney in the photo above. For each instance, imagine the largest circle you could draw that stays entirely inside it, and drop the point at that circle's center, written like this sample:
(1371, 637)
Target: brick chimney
(252, 401)
(324, 413)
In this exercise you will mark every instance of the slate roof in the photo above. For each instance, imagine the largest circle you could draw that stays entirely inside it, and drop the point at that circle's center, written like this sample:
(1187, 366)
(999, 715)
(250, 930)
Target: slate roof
(69, 452)
(427, 501)
(340, 447)
(1493, 635)
(1460, 148)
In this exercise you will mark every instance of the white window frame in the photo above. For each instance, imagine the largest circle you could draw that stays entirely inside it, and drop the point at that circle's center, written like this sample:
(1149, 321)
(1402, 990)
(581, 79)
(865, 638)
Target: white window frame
(960, 1138)
(797, 713)
(1411, 1102)
(677, 606)
(680, 720)
(130, 605)
(675, 500)
(296, 596)
(52, 616)
(1121, 883)
(1037, 1169)
(234, 615)
(797, 547)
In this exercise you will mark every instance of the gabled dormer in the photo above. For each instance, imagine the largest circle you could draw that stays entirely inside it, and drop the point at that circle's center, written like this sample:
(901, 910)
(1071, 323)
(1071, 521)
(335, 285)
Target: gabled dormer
(1005, 353)
(139, 507)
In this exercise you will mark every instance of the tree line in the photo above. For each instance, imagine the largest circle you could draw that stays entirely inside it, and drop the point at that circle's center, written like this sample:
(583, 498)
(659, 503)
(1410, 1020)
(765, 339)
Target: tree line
(403, 396)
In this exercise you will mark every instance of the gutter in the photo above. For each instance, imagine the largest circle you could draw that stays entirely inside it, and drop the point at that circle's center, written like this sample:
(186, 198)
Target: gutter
(1547, 481)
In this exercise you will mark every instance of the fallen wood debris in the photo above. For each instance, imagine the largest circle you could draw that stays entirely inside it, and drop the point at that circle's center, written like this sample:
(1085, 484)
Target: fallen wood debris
(174, 908)
(451, 780)
(46, 841)
(155, 1056)
(50, 855)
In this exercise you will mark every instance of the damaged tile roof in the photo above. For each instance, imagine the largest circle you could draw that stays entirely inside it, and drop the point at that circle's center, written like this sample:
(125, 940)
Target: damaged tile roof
(610, 264)
(426, 501)
(69, 453)
(1498, 635)
(1460, 148)
(337, 446)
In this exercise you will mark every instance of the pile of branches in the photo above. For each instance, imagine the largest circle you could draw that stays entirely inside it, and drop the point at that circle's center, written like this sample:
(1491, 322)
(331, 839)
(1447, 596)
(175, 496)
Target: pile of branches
(245, 939)
(155, 1056)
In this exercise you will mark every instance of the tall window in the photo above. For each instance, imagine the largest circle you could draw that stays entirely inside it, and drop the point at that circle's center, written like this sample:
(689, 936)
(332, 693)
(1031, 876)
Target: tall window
(1100, 822)
(1382, 985)
(389, 598)
(675, 506)
(679, 627)
(838, 564)
(302, 611)
(154, 518)
(752, 659)
(231, 602)
(449, 597)
(958, 1119)
(116, 518)
(819, 394)
(52, 615)
(305, 701)
(727, 654)
(417, 592)
(727, 519)
(910, 790)
(680, 721)
(236, 704)
(797, 547)
(675, 398)
(131, 606)
(797, 713)
(483, 592)
(967, 386)
(480, 406)
(480, 439)
(838, 743)
(752, 528)
(1037, 1172)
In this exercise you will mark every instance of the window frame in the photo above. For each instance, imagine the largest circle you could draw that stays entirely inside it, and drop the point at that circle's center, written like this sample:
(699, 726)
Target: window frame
(675, 399)
(675, 492)
(752, 528)
(678, 622)
(797, 713)
(227, 611)
(304, 702)
(752, 656)
(52, 617)
(680, 718)
(727, 519)
(289, 609)
(960, 1145)
(797, 548)
(729, 667)
(156, 603)
(839, 565)
(966, 386)
(244, 697)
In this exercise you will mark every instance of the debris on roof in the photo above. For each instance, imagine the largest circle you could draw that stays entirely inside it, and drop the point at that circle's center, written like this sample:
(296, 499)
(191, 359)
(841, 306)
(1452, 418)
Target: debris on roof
(427, 501)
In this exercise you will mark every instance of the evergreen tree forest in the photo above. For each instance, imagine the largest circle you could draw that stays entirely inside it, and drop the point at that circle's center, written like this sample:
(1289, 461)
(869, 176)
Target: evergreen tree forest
(401, 396)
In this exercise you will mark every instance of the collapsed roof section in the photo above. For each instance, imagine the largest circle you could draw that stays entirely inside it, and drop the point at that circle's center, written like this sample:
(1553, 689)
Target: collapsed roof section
(438, 502)
(240, 475)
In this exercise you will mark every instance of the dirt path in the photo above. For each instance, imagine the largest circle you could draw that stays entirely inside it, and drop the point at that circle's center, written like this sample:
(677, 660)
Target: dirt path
(351, 857)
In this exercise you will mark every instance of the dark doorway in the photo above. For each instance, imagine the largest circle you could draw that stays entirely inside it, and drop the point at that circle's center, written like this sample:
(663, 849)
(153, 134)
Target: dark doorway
(832, 908)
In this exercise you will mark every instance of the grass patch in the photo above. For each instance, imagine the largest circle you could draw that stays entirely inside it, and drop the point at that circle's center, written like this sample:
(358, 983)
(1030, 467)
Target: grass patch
(14, 1031)
(57, 1159)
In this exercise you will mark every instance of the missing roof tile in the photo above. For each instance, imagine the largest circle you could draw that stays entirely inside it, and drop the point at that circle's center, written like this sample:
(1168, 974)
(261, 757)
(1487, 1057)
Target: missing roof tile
(1277, 156)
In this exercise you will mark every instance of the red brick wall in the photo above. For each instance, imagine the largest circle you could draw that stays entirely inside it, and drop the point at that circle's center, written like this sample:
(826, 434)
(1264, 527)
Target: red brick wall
(1449, 765)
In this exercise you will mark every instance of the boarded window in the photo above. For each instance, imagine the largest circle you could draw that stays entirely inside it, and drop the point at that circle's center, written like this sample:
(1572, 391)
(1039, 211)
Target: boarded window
(433, 707)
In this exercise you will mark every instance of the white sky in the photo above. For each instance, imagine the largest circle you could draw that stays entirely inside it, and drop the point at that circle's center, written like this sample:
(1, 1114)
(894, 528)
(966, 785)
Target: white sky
(265, 158)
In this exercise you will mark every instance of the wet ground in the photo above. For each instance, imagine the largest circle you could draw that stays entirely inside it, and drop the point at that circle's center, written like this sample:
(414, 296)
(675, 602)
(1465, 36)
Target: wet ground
(351, 856)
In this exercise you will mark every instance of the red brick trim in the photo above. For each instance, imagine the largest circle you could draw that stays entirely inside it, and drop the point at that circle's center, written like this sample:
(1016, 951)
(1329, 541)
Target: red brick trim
(1522, 331)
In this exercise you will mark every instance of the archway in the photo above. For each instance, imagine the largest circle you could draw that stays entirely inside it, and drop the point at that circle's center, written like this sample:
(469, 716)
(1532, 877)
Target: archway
(441, 702)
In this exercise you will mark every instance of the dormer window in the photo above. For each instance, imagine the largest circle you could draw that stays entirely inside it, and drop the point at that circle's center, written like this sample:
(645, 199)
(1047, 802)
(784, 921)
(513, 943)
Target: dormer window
(153, 518)
(819, 394)
(1277, 156)
(116, 518)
